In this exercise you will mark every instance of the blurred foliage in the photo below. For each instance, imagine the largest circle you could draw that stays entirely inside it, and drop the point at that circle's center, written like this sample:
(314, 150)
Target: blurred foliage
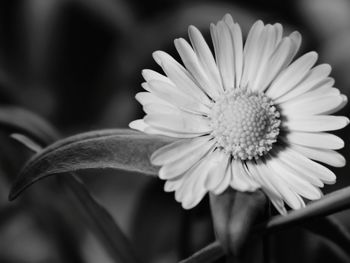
(78, 63)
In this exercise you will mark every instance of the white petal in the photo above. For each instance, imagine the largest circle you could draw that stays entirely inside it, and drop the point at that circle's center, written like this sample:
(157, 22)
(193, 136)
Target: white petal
(179, 121)
(299, 171)
(324, 88)
(241, 180)
(192, 63)
(178, 149)
(217, 168)
(236, 34)
(329, 157)
(316, 123)
(184, 162)
(180, 77)
(296, 39)
(269, 189)
(149, 75)
(142, 126)
(225, 183)
(316, 140)
(151, 109)
(344, 101)
(138, 125)
(274, 179)
(195, 198)
(312, 106)
(145, 86)
(169, 93)
(224, 53)
(258, 174)
(173, 185)
(146, 98)
(314, 78)
(294, 182)
(166, 132)
(251, 50)
(304, 164)
(279, 60)
(205, 56)
(292, 75)
(267, 47)
(192, 190)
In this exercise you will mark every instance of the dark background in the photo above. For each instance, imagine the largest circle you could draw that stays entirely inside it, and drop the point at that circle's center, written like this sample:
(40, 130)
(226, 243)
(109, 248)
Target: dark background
(78, 64)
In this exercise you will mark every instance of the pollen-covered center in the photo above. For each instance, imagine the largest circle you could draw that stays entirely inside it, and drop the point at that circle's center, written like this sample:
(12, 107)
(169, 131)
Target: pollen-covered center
(245, 124)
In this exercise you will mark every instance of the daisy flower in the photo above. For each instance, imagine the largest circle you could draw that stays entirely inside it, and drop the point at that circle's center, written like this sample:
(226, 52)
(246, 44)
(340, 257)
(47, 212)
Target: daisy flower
(249, 118)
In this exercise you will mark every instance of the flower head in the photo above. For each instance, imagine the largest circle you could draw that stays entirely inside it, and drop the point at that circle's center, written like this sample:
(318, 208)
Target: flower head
(249, 118)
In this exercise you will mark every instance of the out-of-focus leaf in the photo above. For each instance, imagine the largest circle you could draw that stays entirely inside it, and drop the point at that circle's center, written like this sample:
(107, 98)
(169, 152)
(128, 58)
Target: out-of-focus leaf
(39, 20)
(30, 144)
(330, 228)
(208, 254)
(20, 120)
(117, 149)
(117, 13)
(102, 222)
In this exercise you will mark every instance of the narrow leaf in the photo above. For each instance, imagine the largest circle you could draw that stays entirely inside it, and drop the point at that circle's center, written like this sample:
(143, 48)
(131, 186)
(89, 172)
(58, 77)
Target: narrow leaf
(23, 121)
(114, 240)
(331, 203)
(208, 254)
(26, 141)
(116, 149)
(328, 227)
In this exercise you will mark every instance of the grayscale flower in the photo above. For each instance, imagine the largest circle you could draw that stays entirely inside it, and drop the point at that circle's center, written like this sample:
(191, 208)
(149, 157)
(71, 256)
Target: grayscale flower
(249, 118)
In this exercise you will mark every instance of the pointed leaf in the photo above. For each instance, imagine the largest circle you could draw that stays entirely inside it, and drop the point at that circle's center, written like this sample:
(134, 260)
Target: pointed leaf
(26, 141)
(21, 120)
(331, 203)
(116, 149)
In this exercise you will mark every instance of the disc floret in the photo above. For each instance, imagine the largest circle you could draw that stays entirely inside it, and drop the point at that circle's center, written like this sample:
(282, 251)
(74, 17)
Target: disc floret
(245, 124)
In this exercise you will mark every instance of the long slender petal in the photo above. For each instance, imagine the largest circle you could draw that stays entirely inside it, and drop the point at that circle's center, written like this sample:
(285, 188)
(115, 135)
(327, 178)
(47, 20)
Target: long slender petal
(316, 140)
(205, 56)
(329, 157)
(180, 77)
(292, 75)
(317, 123)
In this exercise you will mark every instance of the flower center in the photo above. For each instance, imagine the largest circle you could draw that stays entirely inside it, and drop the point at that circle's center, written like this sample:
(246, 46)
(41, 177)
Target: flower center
(244, 124)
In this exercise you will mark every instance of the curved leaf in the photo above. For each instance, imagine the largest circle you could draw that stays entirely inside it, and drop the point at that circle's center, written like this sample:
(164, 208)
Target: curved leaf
(117, 149)
(21, 120)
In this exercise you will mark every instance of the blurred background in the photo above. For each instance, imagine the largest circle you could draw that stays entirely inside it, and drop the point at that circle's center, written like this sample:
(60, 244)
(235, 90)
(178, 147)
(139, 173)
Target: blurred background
(78, 64)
